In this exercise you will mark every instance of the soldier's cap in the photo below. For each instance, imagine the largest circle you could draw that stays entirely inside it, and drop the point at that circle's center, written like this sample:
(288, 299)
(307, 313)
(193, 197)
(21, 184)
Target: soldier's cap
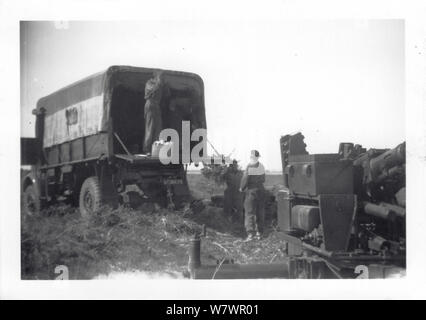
(255, 153)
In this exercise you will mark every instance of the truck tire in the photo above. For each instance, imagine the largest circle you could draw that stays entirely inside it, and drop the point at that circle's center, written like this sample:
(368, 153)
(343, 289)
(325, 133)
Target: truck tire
(90, 199)
(31, 201)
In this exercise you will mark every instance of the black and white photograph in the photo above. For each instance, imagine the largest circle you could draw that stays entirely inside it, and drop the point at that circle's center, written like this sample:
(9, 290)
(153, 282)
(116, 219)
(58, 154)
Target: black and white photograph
(257, 148)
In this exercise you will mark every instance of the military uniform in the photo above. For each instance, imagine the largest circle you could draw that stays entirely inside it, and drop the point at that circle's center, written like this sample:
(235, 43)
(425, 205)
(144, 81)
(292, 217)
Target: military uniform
(233, 200)
(152, 113)
(254, 202)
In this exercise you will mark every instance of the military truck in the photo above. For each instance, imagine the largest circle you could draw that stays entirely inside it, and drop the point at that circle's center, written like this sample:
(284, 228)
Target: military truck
(89, 138)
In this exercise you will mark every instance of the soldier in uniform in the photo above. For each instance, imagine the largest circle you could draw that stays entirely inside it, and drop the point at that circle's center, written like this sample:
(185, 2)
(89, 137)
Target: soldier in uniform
(233, 201)
(152, 111)
(254, 203)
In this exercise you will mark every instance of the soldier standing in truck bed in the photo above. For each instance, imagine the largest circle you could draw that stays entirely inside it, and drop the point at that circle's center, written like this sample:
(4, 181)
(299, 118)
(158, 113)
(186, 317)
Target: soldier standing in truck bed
(254, 203)
(152, 111)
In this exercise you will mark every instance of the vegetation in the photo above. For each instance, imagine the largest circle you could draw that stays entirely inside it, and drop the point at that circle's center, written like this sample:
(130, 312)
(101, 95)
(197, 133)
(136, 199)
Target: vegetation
(148, 238)
(216, 172)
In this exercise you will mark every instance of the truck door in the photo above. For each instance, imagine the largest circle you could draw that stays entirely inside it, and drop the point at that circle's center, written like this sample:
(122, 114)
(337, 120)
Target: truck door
(29, 151)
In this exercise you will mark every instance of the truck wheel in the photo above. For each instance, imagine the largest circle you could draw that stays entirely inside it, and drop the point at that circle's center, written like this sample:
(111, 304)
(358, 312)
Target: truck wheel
(90, 199)
(31, 201)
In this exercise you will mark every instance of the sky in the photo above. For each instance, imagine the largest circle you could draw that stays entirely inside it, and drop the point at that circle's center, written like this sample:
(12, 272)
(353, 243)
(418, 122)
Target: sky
(333, 80)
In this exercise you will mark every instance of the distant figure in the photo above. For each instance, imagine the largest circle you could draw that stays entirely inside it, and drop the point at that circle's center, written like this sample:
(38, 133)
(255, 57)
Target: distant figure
(152, 112)
(254, 203)
(233, 198)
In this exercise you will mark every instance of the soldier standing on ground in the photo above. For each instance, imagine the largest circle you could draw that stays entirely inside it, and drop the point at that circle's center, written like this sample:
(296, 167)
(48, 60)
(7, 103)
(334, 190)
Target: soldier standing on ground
(233, 201)
(152, 111)
(254, 203)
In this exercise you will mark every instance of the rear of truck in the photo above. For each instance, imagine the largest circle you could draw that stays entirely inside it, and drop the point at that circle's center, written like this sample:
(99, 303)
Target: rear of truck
(89, 139)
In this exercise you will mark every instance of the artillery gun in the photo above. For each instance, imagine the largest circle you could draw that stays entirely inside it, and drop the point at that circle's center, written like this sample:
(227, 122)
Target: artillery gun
(347, 208)
(340, 215)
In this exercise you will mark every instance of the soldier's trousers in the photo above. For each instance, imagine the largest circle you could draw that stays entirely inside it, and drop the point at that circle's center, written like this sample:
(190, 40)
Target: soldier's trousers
(153, 124)
(254, 207)
(233, 202)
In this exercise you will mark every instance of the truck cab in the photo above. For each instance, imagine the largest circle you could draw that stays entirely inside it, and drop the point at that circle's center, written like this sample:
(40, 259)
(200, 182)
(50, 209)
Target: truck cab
(89, 138)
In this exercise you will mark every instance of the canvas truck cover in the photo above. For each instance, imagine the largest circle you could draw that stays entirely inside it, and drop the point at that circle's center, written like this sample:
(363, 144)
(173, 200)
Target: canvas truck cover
(74, 111)
(82, 109)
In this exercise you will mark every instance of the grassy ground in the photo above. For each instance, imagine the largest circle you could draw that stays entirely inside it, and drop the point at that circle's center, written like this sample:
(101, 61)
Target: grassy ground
(146, 239)
(204, 188)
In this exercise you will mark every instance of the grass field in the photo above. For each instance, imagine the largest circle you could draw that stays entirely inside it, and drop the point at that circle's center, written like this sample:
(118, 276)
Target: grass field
(204, 188)
(147, 242)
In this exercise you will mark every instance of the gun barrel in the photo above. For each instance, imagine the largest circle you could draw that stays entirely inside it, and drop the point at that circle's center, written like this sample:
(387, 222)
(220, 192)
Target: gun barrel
(379, 211)
(384, 164)
(242, 271)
